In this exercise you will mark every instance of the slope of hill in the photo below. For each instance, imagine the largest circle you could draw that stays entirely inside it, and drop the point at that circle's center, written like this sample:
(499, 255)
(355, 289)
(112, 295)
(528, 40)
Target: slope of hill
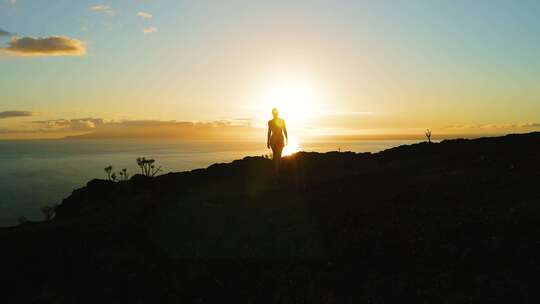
(453, 222)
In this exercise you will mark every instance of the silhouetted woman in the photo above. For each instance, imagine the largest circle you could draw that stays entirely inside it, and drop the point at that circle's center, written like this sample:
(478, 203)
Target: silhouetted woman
(275, 139)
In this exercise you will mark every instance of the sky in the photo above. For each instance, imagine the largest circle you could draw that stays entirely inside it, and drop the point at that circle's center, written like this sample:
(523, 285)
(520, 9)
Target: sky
(332, 67)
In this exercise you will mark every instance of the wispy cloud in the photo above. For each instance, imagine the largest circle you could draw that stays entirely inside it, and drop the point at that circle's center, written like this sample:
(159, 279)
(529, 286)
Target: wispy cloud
(493, 127)
(78, 124)
(46, 46)
(144, 15)
(150, 30)
(343, 113)
(4, 33)
(104, 9)
(11, 114)
(100, 128)
(531, 125)
(12, 2)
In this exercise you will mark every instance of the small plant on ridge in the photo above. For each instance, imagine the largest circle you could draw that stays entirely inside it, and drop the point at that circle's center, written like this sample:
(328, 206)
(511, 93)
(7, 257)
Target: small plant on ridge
(147, 166)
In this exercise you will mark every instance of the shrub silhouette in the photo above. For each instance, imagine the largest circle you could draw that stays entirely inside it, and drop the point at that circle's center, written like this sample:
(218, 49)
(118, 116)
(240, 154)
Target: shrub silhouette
(428, 135)
(108, 170)
(22, 220)
(120, 176)
(124, 176)
(147, 166)
(48, 212)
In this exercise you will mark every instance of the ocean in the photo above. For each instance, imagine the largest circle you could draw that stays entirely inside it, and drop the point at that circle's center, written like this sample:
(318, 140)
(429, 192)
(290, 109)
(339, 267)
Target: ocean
(36, 173)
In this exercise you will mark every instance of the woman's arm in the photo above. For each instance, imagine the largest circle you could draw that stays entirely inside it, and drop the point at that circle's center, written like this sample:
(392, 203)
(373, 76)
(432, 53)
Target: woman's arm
(268, 136)
(285, 132)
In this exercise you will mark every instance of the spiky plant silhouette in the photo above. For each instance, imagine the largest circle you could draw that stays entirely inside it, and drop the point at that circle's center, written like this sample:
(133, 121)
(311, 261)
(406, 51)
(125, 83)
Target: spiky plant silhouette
(428, 135)
(48, 212)
(108, 170)
(124, 176)
(147, 166)
(22, 220)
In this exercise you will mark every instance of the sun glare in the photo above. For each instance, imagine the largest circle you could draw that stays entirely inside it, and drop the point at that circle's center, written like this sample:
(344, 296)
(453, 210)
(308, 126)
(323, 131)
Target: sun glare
(296, 98)
(291, 148)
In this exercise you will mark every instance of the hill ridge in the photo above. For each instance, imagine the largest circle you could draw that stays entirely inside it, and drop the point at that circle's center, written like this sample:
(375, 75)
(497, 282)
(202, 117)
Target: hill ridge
(453, 221)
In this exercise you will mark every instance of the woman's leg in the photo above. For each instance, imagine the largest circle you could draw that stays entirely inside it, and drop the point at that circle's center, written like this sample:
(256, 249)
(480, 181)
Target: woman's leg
(276, 155)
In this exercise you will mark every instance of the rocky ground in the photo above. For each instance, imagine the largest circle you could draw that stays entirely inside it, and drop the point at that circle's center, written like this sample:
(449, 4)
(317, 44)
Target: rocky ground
(452, 222)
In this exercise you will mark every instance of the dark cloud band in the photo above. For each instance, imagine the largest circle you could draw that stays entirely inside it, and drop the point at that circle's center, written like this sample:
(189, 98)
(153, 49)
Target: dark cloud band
(99, 128)
(4, 33)
(10, 114)
(47, 46)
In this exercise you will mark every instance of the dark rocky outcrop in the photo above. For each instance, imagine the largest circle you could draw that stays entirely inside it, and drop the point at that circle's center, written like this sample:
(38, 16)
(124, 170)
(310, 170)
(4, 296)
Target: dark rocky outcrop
(453, 222)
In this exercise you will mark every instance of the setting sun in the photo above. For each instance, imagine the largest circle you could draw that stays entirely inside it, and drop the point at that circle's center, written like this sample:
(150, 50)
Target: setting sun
(296, 97)
(292, 147)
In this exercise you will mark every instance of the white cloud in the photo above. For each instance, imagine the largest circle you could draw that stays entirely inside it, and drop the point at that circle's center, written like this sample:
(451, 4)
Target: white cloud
(102, 8)
(144, 15)
(149, 30)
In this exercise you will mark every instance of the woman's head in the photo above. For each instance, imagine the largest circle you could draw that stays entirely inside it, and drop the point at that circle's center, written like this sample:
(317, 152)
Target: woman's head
(275, 112)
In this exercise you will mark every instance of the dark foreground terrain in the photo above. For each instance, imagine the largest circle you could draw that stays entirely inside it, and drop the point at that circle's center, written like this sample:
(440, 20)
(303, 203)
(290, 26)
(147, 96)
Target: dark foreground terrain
(454, 222)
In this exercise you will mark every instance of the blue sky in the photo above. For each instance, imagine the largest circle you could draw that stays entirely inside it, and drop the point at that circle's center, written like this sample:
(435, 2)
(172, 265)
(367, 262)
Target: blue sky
(409, 64)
